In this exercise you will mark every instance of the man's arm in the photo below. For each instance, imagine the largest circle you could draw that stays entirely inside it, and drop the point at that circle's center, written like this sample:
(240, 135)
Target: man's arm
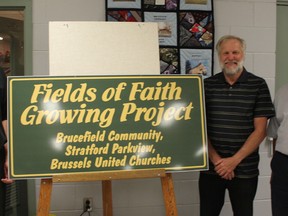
(226, 166)
(216, 159)
(6, 179)
(213, 155)
(4, 123)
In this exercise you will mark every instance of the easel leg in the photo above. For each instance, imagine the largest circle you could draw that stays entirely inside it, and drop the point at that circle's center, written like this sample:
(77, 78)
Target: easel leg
(107, 198)
(44, 197)
(169, 195)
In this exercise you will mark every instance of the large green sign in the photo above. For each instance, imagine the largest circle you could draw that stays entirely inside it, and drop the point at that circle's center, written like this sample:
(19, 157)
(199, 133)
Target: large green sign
(83, 124)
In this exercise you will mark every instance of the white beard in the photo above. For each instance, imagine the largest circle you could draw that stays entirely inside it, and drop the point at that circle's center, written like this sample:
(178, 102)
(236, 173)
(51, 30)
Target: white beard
(232, 71)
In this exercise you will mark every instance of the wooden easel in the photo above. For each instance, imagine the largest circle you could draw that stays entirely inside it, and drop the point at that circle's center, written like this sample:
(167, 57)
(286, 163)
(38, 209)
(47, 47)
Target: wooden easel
(106, 178)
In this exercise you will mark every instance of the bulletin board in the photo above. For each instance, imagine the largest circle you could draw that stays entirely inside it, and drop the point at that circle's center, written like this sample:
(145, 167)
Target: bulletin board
(185, 31)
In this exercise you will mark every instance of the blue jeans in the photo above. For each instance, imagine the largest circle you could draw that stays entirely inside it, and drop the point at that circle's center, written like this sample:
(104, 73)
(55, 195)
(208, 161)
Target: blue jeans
(279, 184)
(212, 194)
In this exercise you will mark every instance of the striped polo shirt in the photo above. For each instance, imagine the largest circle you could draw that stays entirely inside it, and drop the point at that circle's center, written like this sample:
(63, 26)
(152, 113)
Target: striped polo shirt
(230, 110)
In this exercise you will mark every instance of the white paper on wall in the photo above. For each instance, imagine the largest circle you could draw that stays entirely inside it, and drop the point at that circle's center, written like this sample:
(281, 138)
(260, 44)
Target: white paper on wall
(103, 48)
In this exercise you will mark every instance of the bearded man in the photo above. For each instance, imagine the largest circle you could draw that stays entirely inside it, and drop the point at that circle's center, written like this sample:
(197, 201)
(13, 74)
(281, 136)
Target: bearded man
(238, 105)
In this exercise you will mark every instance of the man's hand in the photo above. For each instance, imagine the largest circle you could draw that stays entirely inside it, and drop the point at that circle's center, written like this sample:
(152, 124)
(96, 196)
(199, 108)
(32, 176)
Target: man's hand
(225, 167)
(6, 180)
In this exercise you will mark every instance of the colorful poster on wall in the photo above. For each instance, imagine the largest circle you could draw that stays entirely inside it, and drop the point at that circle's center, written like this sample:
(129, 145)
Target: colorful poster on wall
(185, 27)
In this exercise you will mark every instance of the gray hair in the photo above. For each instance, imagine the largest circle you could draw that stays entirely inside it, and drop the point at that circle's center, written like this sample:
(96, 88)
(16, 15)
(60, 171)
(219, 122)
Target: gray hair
(230, 37)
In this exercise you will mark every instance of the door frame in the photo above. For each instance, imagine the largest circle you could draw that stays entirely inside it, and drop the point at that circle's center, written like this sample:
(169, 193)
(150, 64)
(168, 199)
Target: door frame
(27, 187)
(26, 6)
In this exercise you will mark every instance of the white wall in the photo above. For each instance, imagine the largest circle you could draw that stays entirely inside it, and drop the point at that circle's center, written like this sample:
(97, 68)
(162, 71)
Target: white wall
(281, 45)
(255, 21)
